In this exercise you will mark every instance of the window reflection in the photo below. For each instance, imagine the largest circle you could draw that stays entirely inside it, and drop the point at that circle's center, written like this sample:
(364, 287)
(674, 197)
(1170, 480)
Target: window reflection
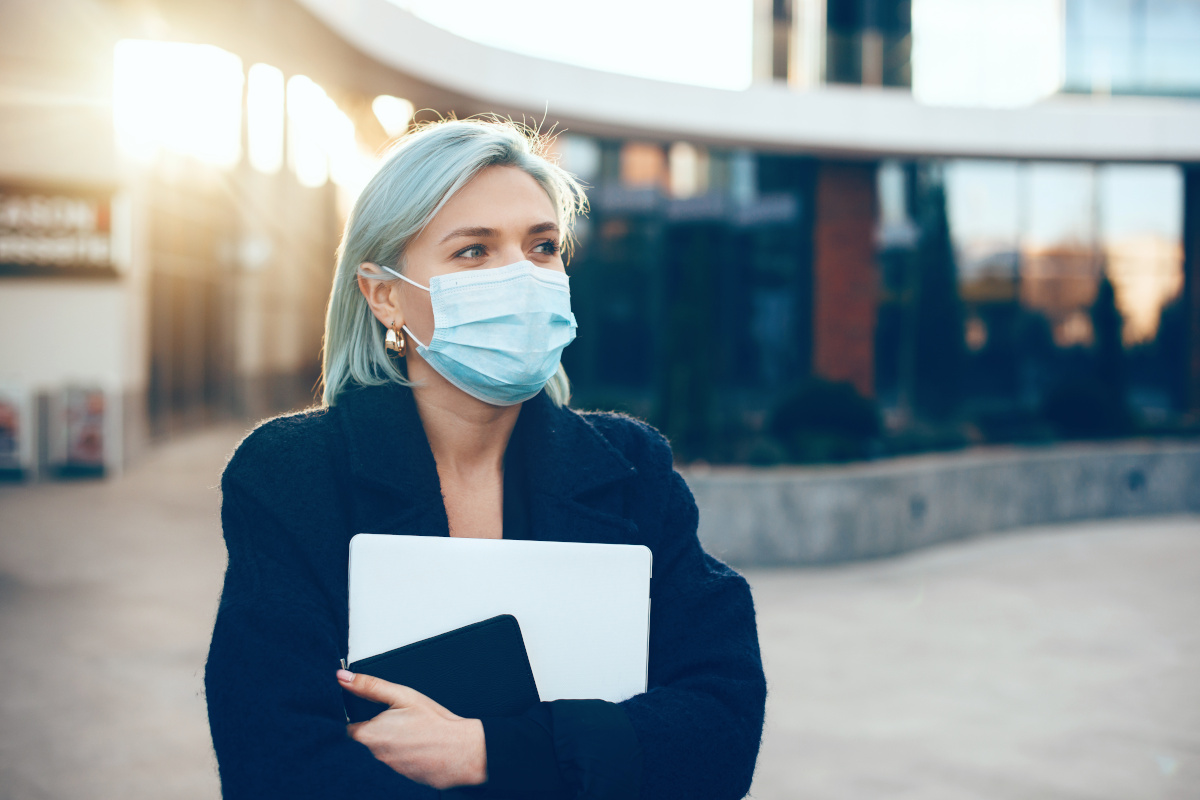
(1141, 214)
(982, 205)
(579, 155)
(695, 293)
(1034, 242)
(1060, 272)
(1132, 46)
(644, 164)
(688, 166)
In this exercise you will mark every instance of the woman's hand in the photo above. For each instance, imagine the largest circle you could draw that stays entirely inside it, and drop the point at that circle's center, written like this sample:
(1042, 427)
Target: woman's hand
(417, 737)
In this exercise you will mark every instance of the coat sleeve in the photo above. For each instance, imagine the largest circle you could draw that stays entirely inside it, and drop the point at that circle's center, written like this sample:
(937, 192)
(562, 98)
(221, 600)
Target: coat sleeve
(700, 722)
(274, 705)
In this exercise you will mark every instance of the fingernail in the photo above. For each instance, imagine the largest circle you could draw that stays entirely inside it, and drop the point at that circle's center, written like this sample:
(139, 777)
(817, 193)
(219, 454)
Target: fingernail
(345, 676)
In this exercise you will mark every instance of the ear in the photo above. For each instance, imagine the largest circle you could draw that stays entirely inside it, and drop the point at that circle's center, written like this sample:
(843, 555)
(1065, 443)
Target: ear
(382, 295)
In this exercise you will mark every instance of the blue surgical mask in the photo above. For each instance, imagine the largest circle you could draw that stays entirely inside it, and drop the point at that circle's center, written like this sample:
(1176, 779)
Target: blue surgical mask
(498, 333)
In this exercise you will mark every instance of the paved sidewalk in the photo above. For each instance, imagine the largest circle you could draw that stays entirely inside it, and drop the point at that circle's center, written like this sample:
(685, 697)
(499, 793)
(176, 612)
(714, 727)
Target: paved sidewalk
(1051, 663)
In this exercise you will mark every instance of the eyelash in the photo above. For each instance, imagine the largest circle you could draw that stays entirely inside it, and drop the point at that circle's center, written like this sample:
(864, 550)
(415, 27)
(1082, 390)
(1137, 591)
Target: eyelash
(463, 253)
(553, 249)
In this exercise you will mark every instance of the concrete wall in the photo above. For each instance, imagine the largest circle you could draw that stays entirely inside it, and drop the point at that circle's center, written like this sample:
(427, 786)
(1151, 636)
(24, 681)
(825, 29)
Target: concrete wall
(55, 335)
(791, 515)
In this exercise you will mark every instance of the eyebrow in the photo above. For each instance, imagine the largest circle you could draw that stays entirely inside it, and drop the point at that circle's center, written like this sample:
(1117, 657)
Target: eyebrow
(545, 227)
(485, 233)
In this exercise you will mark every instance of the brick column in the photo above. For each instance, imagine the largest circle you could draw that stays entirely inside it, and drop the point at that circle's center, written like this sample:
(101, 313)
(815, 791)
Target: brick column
(845, 281)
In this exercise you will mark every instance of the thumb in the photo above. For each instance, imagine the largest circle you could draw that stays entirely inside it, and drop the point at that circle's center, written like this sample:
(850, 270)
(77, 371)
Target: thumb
(378, 690)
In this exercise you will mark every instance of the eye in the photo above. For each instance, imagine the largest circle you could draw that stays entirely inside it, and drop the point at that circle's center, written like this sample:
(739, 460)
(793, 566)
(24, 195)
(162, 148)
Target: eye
(547, 248)
(474, 251)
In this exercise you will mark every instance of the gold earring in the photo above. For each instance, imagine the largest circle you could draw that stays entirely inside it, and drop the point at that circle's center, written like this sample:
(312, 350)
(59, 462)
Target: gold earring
(394, 342)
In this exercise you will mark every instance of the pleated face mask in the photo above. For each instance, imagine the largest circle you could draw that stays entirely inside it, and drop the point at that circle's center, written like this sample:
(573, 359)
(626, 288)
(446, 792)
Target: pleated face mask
(498, 333)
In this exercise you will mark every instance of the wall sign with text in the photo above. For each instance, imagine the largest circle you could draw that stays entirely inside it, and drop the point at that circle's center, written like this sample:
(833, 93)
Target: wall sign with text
(55, 231)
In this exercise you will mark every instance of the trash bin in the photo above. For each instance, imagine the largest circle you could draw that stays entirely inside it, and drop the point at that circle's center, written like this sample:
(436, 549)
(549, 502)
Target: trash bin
(77, 432)
(16, 433)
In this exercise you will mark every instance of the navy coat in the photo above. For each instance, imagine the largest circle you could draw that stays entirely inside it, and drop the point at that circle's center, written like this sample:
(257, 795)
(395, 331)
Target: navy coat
(300, 486)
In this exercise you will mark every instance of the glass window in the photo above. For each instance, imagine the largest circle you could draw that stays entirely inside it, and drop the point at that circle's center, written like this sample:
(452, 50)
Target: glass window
(1133, 46)
(982, 203)
(644, 164)
(1098, 45)
(1059, 270)
(689, 169)
(893, 207)
(579, 155)
(1033, 243)
(743, 177)
(1141, 218)
(1172, 48)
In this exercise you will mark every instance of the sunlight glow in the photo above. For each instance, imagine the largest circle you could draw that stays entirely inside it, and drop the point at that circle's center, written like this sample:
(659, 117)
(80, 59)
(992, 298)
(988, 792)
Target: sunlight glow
(393, 113)
(320, 135)
(182, 98)
(688, 166)
(997, 53)
(322, 145)
(669, 40)
(306, 107)
(264, 118)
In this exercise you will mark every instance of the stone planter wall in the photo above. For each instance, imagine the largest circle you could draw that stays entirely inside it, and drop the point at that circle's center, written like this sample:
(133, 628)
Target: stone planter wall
(805, 515)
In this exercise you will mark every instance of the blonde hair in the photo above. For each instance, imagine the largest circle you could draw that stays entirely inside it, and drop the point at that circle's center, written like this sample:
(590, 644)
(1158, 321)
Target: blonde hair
(419, 176)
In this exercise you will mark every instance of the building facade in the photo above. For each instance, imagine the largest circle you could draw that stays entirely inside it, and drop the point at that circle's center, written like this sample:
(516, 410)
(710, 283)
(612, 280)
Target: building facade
(153, 278)
(955, 266)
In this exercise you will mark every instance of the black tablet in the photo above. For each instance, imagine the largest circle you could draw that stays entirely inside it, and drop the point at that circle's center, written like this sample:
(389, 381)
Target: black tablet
(479, 670)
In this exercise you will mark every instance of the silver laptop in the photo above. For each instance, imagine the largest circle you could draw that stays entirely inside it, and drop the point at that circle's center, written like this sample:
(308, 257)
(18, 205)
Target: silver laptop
(584, 609)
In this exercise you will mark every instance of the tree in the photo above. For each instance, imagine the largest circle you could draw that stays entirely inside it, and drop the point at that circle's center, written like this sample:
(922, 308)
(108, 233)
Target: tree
(939, 356)
(1108, 325)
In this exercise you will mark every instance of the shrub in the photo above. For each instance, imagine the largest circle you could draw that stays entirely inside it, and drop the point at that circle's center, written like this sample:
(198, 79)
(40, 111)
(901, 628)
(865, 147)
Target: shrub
(825, 421)
(1013, 424)
(924, 437)
(1085, 408)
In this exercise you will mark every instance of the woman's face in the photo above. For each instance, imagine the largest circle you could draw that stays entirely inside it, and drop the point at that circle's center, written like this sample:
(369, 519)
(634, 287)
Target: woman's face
(501, 217)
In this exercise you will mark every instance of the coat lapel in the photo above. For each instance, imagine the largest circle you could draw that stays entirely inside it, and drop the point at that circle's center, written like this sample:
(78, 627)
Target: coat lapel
(572, 471)
(390, 459)
(386, 443)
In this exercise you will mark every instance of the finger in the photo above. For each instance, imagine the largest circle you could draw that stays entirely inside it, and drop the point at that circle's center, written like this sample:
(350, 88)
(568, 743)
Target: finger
(369, 687)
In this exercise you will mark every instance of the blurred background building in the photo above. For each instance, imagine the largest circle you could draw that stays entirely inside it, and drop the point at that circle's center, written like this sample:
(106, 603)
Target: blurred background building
(919, 225)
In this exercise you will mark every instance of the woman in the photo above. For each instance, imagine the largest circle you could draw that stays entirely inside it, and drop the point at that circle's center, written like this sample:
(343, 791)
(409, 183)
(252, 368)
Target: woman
(452, 260)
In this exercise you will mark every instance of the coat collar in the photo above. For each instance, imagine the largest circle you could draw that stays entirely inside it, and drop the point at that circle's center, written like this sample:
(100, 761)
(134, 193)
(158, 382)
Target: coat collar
(563, 454)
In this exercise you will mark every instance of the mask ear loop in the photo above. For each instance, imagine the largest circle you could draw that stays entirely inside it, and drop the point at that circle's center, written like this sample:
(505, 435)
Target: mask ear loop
(414, 283)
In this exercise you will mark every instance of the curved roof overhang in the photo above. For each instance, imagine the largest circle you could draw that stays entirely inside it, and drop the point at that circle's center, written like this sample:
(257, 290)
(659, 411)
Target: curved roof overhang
(851, 122)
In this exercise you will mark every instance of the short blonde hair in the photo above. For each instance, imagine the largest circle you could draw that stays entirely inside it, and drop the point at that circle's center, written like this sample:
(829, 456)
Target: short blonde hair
(419, 176)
